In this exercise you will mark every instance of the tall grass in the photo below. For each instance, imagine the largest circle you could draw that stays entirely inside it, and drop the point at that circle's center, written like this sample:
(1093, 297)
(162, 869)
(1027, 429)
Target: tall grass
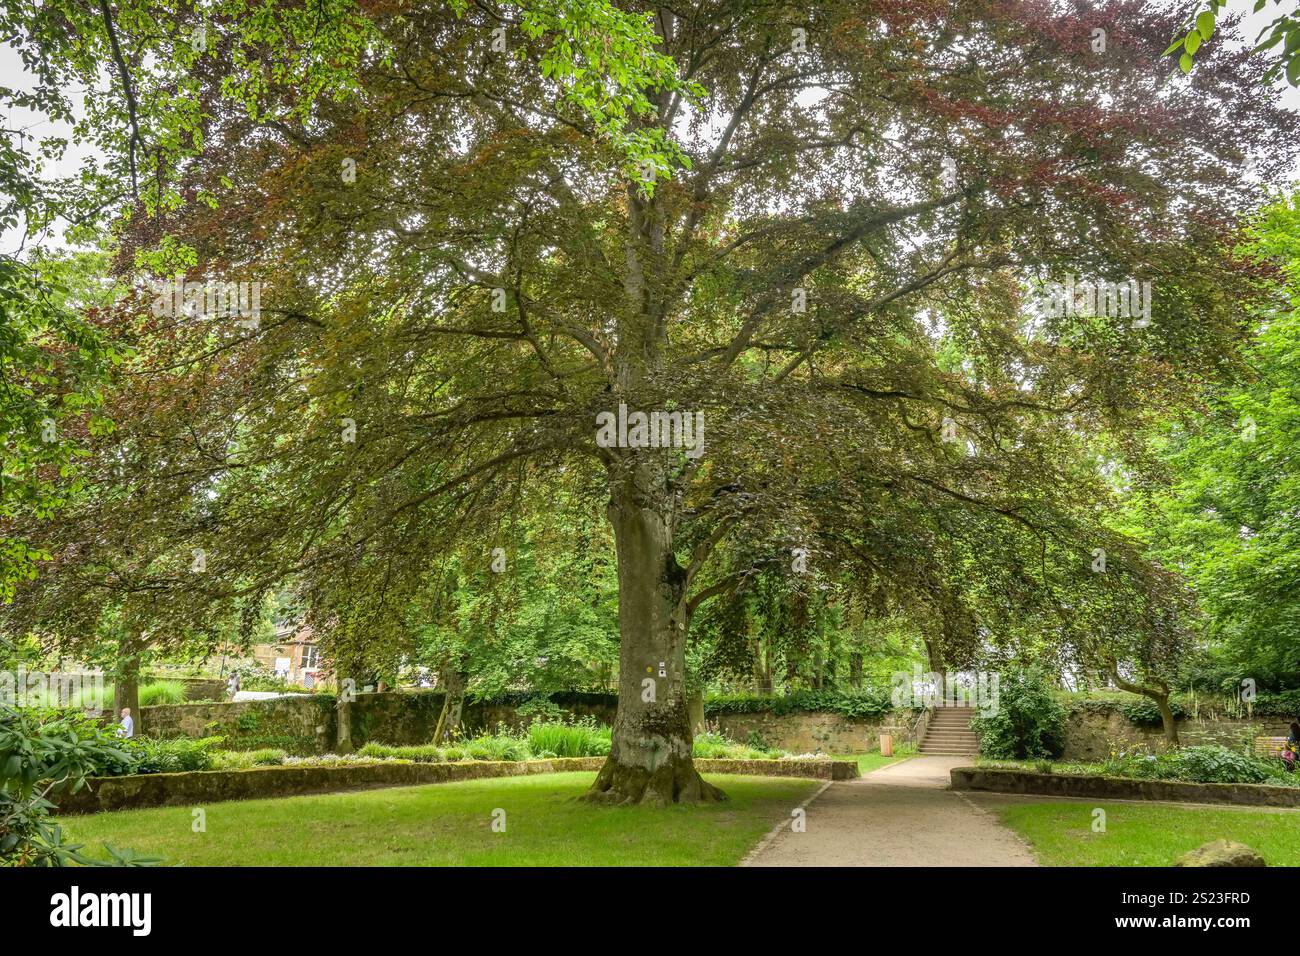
(582, 739)
(162, 692)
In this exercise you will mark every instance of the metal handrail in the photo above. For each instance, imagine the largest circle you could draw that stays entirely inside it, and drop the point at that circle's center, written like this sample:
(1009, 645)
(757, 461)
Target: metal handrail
(921, 725)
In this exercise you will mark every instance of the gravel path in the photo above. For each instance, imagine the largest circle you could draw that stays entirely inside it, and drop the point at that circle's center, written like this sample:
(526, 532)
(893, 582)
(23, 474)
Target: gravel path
(900, 815)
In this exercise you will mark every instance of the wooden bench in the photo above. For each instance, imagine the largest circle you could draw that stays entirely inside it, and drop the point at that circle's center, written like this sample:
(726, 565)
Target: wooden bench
(1270, 746)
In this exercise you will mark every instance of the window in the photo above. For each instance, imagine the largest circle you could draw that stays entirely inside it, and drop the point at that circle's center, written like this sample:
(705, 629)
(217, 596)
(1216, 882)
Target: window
(310, 656)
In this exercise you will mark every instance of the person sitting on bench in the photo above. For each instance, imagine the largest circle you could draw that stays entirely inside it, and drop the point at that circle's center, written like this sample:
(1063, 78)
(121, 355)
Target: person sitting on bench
(1291, 746)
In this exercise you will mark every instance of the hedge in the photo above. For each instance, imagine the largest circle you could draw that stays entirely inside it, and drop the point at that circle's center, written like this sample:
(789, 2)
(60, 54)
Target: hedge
(869, 702)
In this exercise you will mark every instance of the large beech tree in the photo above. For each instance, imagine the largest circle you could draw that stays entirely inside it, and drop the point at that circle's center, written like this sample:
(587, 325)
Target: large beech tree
(826, 254)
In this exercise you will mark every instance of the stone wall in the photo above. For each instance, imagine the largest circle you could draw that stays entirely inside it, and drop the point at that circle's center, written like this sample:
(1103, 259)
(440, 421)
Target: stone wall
(1092, 736)
(1000, 780)
(411, 717)
(212, 786)
(308, 724)
(813, 732)
(299, 725)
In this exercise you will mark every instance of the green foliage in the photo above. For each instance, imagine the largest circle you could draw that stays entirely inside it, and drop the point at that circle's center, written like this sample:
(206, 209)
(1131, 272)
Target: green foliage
(538, 625)
(162, 692)
(422, 753)
(51, 366)
(717, 746)
(1226, 518)
(1144, 712)
(499, 746)
(1029, 722)
(540, 709)
(1205, 764)
(44, 753)
(606, 65)
(870, 702)
(1283, 32)
(258, 677)
(1283, 704)
(584, 738)
(246, 759)
(174, 755)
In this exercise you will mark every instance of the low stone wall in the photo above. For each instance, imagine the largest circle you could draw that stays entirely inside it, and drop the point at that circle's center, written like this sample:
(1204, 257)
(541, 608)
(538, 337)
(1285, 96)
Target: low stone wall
(1002, 780)
(1092, 736)
(300, 725)
(410, 717)
(812, 732)
(214, 786)
(817, 769)
(308, 723)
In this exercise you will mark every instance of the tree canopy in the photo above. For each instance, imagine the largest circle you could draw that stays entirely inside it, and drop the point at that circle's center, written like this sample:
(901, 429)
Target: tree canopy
(831, 236)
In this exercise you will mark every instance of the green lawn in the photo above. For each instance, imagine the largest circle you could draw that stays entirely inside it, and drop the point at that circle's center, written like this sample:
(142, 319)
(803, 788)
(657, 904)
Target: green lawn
(450, 824)
(1137, 835)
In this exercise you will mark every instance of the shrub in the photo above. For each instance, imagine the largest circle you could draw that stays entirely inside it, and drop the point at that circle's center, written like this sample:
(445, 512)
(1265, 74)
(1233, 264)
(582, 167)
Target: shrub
(47, 752)
(500, 746)
(1283, 704)
(176, 755)
(540, 709)
(1144, 712)
(244, 759)
(1205, 764)
(1029, 723)
(423, 753)
(715, 746)
(583, 738)
(328, 760)
(868, 702)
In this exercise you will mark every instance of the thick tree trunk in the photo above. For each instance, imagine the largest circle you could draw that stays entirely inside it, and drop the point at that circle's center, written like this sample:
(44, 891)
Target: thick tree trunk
(1167, 720)
(126, 683)
(855, 670)
(453, 682)
(650, 758)
(695, 710)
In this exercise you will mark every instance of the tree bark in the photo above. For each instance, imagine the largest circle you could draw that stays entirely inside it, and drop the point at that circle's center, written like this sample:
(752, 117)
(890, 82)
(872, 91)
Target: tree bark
(126, 686)
(650, 755)
(453, 701)
(1160, 694)
(855, 670)
(695, 710)
(1167, 719)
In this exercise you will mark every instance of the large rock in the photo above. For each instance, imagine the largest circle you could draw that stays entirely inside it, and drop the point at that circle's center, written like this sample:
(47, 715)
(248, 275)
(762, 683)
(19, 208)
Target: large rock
(1221, 853)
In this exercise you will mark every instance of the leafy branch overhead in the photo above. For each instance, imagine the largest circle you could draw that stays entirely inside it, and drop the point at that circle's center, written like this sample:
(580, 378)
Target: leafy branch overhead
(1283, 32)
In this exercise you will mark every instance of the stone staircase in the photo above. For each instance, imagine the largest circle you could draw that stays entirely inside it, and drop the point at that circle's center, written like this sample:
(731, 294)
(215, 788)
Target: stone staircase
(949, 732)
